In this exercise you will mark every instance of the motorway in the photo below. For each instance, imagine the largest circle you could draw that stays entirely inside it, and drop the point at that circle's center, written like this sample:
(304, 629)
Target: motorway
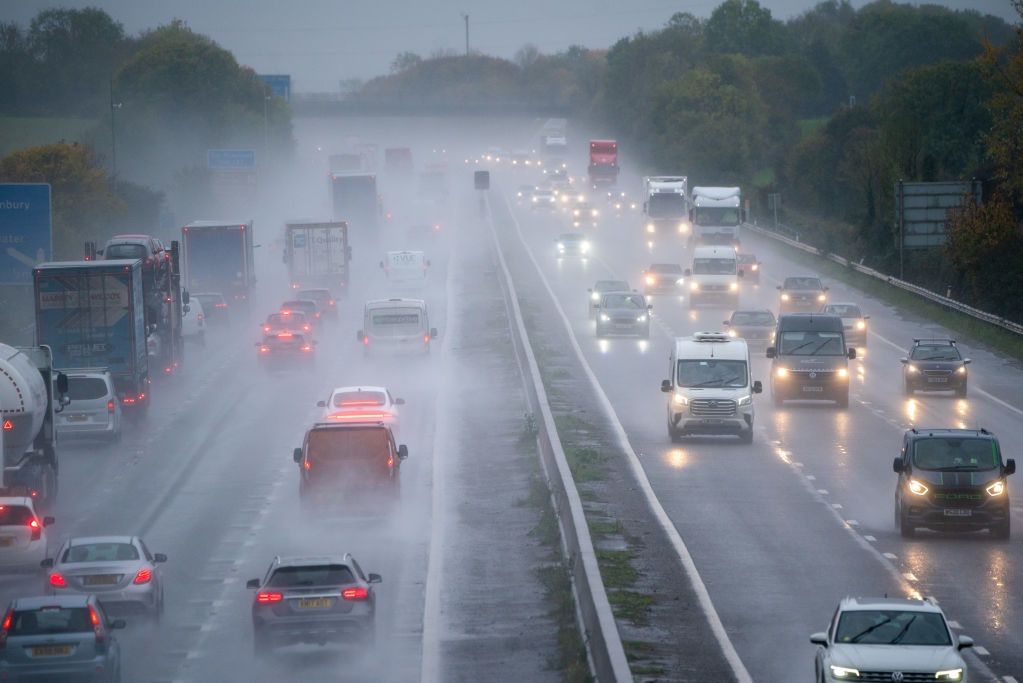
(783, 529)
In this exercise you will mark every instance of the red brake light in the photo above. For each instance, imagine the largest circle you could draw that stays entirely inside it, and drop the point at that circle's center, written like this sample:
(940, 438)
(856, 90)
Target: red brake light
(8, 425)
(37, 530)
(307, 348)
(264, 349)
(269, 596)
(57, 581)
(6, 627)
(110, 406)
(357, 593)
(144, 575)
(331, 303)
(426, 339)
(93, 616)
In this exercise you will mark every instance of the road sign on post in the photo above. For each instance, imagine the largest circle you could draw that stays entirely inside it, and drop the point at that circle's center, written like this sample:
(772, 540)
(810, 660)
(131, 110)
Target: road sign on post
(923, 210)
(279, 84)
(233, 175)
(26, 232)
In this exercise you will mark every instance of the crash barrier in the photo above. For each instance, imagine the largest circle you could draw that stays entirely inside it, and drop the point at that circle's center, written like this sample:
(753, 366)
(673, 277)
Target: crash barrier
(934, 297)
(603, 642)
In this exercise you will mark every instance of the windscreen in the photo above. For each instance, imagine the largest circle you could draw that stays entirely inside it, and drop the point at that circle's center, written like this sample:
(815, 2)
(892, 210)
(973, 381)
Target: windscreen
(753, 318)
(395, 322)
(712, 373)
(628, 301)
(86, 388)
(216, 259)
(941, 453)
(294, 319)
(348, 447)
(802, 283)
(844, 310)
(125, 251)
(716, 215)
(316, 575)
(890, 627)
(50, 620)
(939, 352)
(666, 269)
(666, 205)
(714, 266)
(359, 399)
(100, 552)
(811, 343)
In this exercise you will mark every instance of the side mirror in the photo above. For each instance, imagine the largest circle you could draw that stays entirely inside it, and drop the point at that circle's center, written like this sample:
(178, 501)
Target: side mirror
(903, 360)
(827, 288)
(964, 642)
(62, 387)
(866, 317)
(402, 452)
(819, 639)
(649, 307)
(47, 563)
(360, 335)
(852, 353)
(186, 298)
(897, 466)
(590, 290)
(666, 386)
(688, 272)
(118, 624)
(321, 404)
(296, 455)
(771, 352)
(399, 401)
(967, 361)
(159, 558)
(252, 583)
(758, 388)
(49, 521)
(373, 578)
(1010, 467)
(434, 333)
(726, 323)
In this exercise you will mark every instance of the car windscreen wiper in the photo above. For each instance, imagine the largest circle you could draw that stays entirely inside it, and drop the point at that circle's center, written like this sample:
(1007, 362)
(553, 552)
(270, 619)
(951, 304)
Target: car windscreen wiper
(821, 346)
(903, 631)
(793, 351)
(868, 631)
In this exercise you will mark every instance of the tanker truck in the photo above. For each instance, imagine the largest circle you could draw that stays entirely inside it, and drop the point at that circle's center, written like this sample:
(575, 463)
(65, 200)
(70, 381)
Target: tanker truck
(31, 392)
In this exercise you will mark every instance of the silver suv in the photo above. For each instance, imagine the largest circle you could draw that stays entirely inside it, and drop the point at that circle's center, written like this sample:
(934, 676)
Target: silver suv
(94, 409)
(313, 600)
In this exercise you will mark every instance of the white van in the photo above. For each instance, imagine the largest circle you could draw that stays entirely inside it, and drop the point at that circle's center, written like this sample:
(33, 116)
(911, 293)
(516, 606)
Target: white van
(396, 326)
(405, 267)
(710, 390)
(714, 276)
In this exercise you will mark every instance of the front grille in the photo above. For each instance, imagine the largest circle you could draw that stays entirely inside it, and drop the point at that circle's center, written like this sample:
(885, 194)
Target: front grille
(822, 376)
(887, 676)
(937, 373)
(714, 288)
(623, 321)
(959, 498)
(712, 407)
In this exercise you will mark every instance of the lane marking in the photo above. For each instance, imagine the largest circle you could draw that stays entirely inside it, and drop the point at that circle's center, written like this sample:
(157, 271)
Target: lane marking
(658, 511)
(981, 650)
(891, 556)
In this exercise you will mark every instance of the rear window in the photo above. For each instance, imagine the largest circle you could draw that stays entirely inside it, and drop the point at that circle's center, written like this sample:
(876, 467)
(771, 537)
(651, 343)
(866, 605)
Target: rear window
(282, 319)
(316, 295)
(366, 445)
(359, 399)
(317, 575)
(86, 388)
(15, 515)
(802, 283)
(100, 552)
(753, 318)
(130, 251)
(47, 620)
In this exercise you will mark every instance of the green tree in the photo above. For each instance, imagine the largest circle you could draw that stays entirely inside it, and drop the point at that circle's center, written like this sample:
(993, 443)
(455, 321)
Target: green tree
(744, 27)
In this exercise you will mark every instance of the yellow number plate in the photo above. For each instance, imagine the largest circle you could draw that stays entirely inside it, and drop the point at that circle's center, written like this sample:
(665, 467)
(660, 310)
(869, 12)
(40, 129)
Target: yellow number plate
(316, 603)
(51, 650)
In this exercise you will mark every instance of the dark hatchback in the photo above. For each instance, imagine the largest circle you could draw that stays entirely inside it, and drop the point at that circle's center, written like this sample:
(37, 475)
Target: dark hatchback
(952, 480)
(934, 365)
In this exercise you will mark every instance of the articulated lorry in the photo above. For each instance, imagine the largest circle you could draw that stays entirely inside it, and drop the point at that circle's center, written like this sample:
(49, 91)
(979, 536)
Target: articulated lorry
(317, 254)
(91, 314)
(666, 206)
(716, 215)
(218, 259)
(603, 167)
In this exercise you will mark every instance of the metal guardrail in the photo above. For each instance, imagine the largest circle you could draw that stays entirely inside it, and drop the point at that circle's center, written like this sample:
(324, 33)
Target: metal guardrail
(934, 297)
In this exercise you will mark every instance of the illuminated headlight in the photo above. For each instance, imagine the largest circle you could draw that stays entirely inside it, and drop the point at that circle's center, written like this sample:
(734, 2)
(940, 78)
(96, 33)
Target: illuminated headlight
(518, 194)
(694, 286)
(961, 370)
(536, 199)
(745, 400)
(784, 297)
(594, 213)
(585, 246)
(733, 286)
(632, 205)
(781, 373)
(595, 296)
(912, 369)
(618, 206)
(650, 279)
(996, 488)
(641, 318)
(755, 266)
(683, 227)
(916, 487)
(844, 672)
(650, 227)
(949, 675)
(564, 198)
(843, 373)
(861, 325)
(821, 298)
(733, 333)
(680, 281)
(561, 247)
(680, 400)
(604, 317)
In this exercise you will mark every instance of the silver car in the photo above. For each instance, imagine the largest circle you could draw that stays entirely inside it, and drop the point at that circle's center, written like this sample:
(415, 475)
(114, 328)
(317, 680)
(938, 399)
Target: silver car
(313, 600)
(94, 409)
(59, 638)
(119, 570)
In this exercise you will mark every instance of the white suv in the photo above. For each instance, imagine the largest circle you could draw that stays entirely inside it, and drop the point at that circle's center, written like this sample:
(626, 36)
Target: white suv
(889, 639)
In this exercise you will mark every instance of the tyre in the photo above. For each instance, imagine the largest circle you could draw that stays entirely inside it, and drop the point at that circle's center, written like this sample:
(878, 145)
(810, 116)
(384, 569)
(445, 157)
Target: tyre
(906, 530)
(746, 437)
(674, 435)
(961, 391)
(1002, 531)
(842, 401)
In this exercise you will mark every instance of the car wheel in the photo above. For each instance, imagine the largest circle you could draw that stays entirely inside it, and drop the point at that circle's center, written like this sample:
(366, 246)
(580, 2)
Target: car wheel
(1002, 531)
(747, 436)
(842, 401)
(906, 530)
(961, 391)
(674, 435)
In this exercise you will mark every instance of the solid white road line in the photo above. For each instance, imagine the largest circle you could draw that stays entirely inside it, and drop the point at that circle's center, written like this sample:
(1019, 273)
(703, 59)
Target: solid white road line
(703, 595)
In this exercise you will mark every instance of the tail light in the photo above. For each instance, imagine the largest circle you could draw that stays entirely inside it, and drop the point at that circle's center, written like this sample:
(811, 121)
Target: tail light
(57, 580)
(6, 627)
(305, 328)
(331, 303)
(365, 342)
(269, 596)
(144, 575)
(266, 328)
(264, 349)
(37, 531)
(426, 339)
(97, 627)
(390, 461)
(357, 593)
(307, 348)
(200, 317)
(110, 406)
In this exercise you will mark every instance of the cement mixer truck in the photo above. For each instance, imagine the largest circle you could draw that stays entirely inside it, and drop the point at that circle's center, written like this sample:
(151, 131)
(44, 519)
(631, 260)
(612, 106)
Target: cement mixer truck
(31, 392)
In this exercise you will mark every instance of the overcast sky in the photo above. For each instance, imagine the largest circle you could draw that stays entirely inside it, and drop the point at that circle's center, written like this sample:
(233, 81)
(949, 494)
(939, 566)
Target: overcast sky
(321, 42)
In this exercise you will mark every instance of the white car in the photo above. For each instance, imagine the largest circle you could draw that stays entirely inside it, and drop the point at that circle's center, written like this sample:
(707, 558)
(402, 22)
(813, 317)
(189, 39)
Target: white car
(94, 410)
(362, 404)
(22, 533)
(193, 322)
(889, 639)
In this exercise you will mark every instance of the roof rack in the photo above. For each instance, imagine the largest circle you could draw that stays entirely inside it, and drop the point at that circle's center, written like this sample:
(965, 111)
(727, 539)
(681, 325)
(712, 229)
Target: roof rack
(710, 337)
(935, 339)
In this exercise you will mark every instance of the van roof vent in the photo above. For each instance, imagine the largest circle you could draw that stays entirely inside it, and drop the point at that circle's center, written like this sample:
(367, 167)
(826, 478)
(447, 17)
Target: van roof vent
(710, 336)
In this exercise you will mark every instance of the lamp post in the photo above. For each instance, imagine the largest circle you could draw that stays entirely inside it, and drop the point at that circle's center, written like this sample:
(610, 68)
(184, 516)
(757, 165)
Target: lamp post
(266, 123)
(114, 106)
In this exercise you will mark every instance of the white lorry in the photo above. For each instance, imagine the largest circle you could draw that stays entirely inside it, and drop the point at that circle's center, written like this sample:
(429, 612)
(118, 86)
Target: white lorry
(716, 215)
(317, 254)
(666, 206)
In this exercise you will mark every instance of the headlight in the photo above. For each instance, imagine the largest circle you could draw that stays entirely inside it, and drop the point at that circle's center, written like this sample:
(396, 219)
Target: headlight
(618, 207)
(680, 281)
(561, 247)
(861, 325)
(650, 227)
(961, 370)
(844, 672)
(843, 373)
(755, 266)
(912, 368)
(733, 333)
(680, 400)
(650, 279)
(585, 246)
(745, 401)
(632, 205)
(781, 373)
(996, 488)
(595, 296)
(949, 675)
(594, 213)
(641, 318)
(535, 199)
(694, 286)
(916, 487)
(733, 286)
(784, 297)
(821, 298)
(604, 317)
(683, 227)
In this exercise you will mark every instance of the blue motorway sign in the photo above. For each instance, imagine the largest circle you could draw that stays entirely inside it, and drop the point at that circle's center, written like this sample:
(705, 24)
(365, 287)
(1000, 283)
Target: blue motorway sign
(279, 84)
(230, 159)
(26, 235)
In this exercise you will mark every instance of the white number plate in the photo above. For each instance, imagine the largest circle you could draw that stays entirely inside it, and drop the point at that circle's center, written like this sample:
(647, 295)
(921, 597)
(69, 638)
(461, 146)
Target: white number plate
(958, 512)
(812, 388)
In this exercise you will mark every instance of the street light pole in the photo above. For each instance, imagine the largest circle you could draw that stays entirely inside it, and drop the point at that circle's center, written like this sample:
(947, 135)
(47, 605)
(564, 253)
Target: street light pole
(113, 134)
(466, 18)
(266, 124)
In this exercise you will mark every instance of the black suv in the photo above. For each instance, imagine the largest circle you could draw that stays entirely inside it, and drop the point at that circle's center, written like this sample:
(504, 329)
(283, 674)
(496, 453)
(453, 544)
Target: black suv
(934, 365)
(952, 479)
